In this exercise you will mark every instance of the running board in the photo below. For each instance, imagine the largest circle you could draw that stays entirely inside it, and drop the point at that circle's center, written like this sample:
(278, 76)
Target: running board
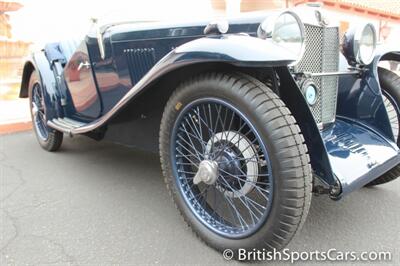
(65, 125)
(357, 154)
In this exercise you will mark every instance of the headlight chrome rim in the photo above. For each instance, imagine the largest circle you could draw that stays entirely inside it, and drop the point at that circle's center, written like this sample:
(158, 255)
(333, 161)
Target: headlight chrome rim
(358, 37)
(352, 45)
(266, 30)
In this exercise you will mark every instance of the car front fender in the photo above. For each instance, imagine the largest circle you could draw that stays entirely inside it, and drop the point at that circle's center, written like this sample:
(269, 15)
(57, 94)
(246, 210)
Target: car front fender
(239, 50)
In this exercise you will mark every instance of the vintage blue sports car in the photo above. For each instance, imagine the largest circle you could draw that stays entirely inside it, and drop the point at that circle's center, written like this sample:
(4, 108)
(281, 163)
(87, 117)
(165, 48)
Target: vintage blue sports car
(251, 115)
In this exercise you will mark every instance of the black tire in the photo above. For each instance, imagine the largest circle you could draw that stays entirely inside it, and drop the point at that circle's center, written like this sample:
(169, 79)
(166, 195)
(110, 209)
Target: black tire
(283, 139)
(49, 139)
(390, 84)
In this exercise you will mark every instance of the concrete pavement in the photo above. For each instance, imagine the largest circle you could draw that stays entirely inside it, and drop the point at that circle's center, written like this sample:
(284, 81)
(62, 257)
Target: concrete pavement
(97, 203)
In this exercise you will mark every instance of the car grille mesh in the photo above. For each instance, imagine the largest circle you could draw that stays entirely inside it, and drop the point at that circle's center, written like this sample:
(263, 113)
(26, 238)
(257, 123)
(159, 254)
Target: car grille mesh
(322, 55)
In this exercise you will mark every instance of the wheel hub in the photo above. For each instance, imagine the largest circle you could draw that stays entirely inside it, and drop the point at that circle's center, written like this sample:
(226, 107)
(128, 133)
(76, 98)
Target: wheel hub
(35, 109)
(207, 173)
(230, 164)
(237, 163)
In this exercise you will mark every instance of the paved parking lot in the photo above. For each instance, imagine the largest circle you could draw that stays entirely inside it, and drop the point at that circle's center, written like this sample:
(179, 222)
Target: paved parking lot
(100, 203)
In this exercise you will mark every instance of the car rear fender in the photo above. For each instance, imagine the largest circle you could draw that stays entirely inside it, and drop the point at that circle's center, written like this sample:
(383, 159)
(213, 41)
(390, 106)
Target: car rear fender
(39, 63)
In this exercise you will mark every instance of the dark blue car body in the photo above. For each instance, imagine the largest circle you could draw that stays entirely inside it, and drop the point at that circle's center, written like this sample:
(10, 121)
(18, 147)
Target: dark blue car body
(120, 96)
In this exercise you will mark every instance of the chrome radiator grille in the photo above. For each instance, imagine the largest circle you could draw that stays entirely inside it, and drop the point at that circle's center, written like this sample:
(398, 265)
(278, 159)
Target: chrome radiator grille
(322, 55)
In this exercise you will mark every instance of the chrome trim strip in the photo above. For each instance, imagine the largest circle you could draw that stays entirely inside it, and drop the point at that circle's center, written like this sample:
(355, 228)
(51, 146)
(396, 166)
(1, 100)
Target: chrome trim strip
(101, 44)
(339, 73)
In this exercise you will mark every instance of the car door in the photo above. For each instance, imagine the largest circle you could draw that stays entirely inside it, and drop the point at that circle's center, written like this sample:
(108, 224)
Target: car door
(81, 85)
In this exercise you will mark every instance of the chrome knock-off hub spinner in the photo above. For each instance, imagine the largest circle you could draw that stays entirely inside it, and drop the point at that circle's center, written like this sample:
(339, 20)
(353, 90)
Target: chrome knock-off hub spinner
(237, 162)
(207, 173)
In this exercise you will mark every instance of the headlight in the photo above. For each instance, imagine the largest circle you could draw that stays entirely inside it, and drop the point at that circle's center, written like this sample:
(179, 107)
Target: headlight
(286, 30)
(359, 44)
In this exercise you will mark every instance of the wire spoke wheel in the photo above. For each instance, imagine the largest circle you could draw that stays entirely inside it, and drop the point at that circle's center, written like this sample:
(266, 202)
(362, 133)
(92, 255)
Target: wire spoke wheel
(49, 139)
(234, 162)
(38, 112)
(391, 109)
(222, 167)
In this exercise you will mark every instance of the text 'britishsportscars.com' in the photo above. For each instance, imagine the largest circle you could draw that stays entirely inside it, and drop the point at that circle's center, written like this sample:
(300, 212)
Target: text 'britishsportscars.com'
(316, 255)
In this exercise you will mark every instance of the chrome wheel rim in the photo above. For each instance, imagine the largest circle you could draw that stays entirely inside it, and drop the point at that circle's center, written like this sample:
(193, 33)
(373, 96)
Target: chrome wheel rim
(38, 112)
(392, 114)
(229, 193)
